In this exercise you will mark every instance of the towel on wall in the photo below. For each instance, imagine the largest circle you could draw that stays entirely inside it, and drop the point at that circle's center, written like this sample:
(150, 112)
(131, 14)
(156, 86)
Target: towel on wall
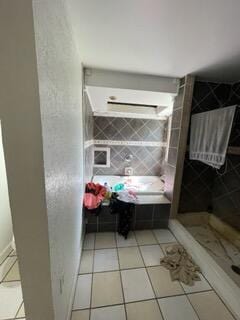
(209, 136)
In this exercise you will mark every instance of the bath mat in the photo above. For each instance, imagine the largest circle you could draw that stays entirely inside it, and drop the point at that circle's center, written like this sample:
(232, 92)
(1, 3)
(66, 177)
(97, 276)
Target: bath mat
(180, 265)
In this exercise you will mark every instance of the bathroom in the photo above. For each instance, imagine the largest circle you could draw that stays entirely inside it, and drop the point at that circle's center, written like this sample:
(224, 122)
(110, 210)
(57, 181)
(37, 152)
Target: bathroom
(123, 148)
(114, 92)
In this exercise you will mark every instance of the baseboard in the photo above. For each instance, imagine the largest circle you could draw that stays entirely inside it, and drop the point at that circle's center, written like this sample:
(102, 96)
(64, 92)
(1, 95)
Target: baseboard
(5, 252)
(217, 277)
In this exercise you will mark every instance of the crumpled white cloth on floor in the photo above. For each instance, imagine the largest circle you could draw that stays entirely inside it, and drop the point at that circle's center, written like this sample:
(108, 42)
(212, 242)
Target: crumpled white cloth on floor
(180, 265)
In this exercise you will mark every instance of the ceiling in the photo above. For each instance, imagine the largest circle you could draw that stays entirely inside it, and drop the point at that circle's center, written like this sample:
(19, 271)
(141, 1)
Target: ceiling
(160, 37)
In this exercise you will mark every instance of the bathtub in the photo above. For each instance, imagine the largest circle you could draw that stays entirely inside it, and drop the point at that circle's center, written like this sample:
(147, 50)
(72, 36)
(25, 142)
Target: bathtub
(151, 211)
(142, 185)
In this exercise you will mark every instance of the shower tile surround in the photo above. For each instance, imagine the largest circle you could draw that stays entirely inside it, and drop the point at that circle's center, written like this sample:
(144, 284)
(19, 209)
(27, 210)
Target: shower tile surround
(170, 166)
(88, 138)
(202, 188)
(147, 160)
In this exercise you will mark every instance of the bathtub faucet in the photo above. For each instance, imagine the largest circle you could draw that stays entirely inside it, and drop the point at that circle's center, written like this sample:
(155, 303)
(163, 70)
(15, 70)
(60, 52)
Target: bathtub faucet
(128, 157)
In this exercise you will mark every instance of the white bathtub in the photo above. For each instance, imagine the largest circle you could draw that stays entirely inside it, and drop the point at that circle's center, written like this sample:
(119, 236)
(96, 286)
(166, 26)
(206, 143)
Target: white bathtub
(149, 189)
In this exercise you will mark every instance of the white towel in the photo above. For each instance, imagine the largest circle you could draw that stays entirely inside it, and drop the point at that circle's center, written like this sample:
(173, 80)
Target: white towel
(209, 137)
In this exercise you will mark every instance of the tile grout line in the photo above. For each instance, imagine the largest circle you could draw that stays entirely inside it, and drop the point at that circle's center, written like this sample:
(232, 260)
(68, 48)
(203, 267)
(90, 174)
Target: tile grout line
(142, 245)
(80, 309)
(155, 296)
(189, 301)
(178, 281)
(1, 282)
(91, 294)
(120, 274)
(145, 267)
(180, 286)
(8, 256)
(213, 290)
(16, 259)
(18, 311)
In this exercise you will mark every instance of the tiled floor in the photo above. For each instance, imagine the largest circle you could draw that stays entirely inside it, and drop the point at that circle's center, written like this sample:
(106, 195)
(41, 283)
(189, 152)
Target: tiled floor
(11, 301)
(123, 280)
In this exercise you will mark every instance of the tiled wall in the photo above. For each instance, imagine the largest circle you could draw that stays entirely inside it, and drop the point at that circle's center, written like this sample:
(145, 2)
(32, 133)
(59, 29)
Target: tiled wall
(170, 166)
(88, 136)
(147, 160)
(177, 146)
(147, 216)
(202, 188)
(226, 188)
(198, 178)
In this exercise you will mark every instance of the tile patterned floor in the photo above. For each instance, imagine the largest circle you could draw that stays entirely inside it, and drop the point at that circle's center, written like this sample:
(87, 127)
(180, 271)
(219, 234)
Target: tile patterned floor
(123, 280)
(11, 301)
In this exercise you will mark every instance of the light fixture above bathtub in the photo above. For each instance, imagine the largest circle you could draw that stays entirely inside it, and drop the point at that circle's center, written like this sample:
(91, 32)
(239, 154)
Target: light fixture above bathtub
(136, 110)
(119, 94)
(113, 102)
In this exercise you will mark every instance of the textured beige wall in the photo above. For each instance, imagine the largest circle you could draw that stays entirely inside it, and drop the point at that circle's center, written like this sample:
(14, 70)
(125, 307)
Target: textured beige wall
(6, 232)
(22, 140)
(60, 84)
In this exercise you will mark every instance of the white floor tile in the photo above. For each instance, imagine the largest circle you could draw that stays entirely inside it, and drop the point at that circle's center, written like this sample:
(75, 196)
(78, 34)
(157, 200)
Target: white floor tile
(151, 255)
(130, 257)
(13, 253)
(177, 308)
(198, 286)
(109, 313)
(86, 264)
(136, 285)
(6, 266)
(106, 289)
(129, 242)
(144, 310)
(164, 236)
(83, 292)
(105, 260)
(10, 299)
(89, 241)
(80, 315)
(21, 312)
(13, 274)
(162, 284)
(209, 306)
(105, 240)
(145, 237)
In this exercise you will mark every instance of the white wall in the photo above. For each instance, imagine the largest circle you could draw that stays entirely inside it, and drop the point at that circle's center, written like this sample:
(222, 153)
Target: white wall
(22, 141)
(60, 83)
(6, 232)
